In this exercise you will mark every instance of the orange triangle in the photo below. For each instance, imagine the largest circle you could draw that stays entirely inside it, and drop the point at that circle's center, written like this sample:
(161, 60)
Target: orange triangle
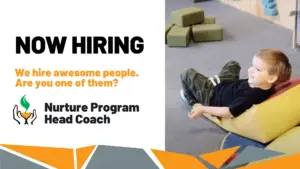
(61, 158)
(171, 160)
(290, 162)
(218, 158)
(83, 154)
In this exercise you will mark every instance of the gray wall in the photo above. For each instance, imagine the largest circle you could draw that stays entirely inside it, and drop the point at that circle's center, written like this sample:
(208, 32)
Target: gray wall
(298, 24)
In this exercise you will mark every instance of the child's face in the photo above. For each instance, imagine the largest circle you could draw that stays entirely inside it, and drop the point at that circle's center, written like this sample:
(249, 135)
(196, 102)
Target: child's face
(258, 74)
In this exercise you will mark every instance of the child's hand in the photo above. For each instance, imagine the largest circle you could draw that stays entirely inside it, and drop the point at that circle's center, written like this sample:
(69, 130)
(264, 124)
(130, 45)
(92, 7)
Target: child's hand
(197, 111)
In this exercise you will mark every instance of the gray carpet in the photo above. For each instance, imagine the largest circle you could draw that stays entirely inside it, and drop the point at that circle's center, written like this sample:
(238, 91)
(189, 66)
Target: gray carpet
(244, 35)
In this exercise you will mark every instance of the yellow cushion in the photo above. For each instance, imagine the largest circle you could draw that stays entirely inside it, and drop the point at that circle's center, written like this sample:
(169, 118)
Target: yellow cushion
(288, 143)
(266, 121)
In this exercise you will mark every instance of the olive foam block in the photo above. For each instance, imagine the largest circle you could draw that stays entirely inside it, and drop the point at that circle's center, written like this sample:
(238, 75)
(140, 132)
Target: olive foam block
(167, 29)
(179, 36)
(207, 32)
(187, 16)
(209, 20)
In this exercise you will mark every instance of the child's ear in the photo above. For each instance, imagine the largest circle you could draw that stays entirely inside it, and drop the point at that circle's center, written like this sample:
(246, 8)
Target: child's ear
(272, 79)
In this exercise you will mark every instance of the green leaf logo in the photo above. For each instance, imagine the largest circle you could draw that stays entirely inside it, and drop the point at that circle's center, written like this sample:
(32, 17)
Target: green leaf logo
(24, 103)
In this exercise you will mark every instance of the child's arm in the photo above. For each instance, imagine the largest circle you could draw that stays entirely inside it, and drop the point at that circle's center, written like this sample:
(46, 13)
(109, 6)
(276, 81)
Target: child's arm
(236, 108)
(198, 109)
(218, 111)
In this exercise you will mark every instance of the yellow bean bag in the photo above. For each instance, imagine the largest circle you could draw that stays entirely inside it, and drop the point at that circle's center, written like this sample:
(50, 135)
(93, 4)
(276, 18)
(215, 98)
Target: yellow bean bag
(288, 143)
(266, 121)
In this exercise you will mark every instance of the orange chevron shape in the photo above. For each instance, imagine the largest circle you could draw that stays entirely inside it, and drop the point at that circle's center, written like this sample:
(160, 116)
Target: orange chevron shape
(290, 162)
(61, 158)
(218, 158)
(171, 160)
(82, 154)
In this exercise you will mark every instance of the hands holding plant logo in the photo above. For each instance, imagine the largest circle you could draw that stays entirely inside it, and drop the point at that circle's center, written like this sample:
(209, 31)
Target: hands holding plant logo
(18, 116)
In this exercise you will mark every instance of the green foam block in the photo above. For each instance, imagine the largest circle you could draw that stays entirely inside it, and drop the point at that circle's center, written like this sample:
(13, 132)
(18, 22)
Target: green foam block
(167, 29)
(207, 32)
(179, 36)
(187, 16)
(209, 20)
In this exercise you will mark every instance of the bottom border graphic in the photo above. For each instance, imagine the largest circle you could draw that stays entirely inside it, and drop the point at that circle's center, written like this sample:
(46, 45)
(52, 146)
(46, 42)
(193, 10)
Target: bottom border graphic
(111, 157)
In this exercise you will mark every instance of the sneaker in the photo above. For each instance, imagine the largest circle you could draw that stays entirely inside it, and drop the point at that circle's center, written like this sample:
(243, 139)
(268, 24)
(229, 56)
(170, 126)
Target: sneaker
(182, 95)
(190, 102)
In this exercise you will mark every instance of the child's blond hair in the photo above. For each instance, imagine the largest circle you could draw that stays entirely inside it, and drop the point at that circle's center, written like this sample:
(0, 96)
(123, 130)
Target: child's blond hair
(278, 62)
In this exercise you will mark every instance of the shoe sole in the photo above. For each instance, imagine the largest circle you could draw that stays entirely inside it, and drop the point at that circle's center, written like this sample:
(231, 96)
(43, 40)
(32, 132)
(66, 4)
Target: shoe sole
(182, 97)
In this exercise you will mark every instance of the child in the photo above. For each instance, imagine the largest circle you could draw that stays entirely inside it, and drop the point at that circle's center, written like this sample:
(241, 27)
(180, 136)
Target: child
(225, 95)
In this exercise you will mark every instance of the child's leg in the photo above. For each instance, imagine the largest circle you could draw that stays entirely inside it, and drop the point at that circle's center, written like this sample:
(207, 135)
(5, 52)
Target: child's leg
(195, 86)
(230, 72)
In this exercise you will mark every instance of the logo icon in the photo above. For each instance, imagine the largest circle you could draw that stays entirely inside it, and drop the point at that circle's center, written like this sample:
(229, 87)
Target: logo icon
(19, 116)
